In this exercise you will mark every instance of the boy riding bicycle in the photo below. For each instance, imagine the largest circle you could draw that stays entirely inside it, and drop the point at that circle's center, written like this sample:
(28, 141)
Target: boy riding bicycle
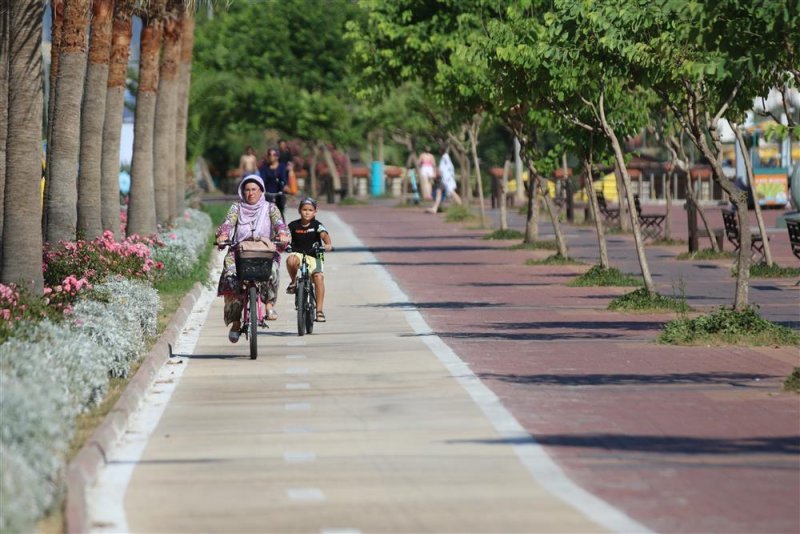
(306, 231)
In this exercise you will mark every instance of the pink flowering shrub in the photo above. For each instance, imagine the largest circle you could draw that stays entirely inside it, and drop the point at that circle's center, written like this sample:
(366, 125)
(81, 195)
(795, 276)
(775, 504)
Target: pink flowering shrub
(96, 260)
(20, 306)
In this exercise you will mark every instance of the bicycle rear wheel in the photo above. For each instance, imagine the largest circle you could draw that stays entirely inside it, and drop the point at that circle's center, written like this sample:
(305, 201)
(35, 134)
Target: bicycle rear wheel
(302, 303)
(253, 334)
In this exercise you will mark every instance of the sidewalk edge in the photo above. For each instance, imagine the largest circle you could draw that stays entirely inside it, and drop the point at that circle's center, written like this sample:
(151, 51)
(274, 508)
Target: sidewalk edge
(83, 470)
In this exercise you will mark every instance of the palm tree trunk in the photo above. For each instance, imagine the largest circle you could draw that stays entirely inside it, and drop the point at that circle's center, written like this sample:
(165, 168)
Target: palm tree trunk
(22, 230)
(142, 204)
(90, 223)
(56, 30)
(748, 166)
(61, 200)
(4, 31)
(165, 122)
(112, 125)
(184, 79)
(598, 219)
(634, 217)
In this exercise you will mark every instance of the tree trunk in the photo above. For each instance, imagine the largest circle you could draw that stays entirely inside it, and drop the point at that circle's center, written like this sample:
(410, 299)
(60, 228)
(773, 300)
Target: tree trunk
(4, 32)
(624, 208)
(637, 234)
(182, 107)
(668, 217)
(112, 125)
(348, 169)
(598, 219)
(739, 200)
(532, 218)
(336, 180)
(502, 194)
(700, 211)
(22, 230)
(61, 200)
(473, 141)
(748, 166)
(312, 171)
(92, 118)
(141, 207)
(520, 193)
(165, 123)
(548, 203)
(56, 31)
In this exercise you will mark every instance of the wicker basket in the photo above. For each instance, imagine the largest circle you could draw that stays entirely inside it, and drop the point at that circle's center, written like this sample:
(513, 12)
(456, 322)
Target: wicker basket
(254, 262)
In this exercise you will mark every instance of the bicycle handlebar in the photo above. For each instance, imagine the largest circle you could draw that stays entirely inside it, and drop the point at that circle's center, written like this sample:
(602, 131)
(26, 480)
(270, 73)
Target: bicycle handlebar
(315, 247)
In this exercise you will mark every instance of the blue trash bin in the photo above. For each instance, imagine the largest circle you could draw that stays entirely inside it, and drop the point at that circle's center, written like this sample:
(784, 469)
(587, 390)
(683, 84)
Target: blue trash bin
(377, 179)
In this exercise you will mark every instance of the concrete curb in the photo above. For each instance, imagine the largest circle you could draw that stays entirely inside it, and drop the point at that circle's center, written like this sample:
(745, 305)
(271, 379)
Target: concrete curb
(82, 471)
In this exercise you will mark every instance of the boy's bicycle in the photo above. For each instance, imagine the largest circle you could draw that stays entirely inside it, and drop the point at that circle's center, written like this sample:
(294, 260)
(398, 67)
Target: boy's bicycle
(305, 299)
(254, 268)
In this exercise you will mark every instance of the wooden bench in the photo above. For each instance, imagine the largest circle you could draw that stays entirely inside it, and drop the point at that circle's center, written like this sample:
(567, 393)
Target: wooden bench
(609, 214)
(732, 232)
(794, 236)
(652, 224)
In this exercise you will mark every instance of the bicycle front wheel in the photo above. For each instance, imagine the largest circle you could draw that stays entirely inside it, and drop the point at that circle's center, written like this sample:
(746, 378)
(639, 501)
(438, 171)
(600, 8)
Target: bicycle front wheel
(253, 334)
(311, 309)
(302, 304)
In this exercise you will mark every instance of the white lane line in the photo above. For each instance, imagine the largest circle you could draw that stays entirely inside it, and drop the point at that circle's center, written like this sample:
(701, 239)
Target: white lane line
(295, 356)
(299, 457)
(340, 531)
(296, 371)
(532, 455)
(105, 499)
(297, 406)
(296, 343)
(305, 495)
(298, 385)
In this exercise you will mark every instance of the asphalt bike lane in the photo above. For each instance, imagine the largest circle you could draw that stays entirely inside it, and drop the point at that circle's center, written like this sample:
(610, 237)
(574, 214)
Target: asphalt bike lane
(371, 424)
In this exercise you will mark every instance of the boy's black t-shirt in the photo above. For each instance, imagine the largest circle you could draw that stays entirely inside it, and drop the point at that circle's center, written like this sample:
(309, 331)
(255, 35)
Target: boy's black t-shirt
(304, 237)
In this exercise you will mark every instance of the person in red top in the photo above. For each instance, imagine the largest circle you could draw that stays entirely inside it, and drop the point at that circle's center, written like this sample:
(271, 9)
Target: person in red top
(306, 231)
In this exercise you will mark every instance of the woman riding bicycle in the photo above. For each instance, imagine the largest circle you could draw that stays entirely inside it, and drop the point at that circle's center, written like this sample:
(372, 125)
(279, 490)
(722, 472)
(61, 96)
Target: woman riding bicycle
(276, 178)
(252, 217)
(306, 231)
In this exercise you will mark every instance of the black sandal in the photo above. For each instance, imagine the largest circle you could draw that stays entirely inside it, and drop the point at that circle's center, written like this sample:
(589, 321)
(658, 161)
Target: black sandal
(320, 318)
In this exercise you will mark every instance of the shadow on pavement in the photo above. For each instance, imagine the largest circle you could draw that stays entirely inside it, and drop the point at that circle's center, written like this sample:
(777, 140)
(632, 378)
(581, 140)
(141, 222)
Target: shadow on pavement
(426, 248)
(661, 444)
(731, 379)
(585, 325)
(453, 305)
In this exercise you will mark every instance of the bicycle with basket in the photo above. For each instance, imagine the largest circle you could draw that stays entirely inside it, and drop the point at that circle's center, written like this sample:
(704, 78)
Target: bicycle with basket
(254, 268)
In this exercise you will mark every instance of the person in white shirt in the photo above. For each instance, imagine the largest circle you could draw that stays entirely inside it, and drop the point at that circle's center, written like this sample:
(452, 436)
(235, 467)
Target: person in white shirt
(447, 183)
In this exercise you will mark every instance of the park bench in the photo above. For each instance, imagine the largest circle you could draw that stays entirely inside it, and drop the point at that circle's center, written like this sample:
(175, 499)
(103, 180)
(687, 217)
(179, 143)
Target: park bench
(652, 224)
(732, 232)
(609, 214)
(794, 236)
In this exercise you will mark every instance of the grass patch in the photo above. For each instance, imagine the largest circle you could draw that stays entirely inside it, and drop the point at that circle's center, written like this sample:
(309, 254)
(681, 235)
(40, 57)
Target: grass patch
(536, 245)
(504, 234)
(792, 382)
(726, 326)
(555, 259)
(352, 201)
(705, 254)
(667, 242)
(216, 210)
(641, 300)
(598, 276)
(762, 270)
(458, 214)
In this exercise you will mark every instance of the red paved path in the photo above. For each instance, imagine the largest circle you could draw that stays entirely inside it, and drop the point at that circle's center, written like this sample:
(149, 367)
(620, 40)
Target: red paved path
(683, 439)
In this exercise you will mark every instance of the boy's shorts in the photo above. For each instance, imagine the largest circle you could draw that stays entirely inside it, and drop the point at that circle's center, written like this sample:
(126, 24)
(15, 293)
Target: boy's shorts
(314, 266)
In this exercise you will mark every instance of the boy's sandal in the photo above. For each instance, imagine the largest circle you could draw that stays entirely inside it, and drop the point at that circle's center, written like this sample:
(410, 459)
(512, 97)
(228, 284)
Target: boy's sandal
(272, 314)
(292, 288)
(320, 317)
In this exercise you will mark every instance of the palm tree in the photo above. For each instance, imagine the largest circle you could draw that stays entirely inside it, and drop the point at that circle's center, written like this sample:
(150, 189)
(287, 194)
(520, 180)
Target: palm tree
(165, 119)
(22, 231)
(3, 116)
(141, 209)
(61, 199)
(92, 118)
(114, 109)
(182, 107)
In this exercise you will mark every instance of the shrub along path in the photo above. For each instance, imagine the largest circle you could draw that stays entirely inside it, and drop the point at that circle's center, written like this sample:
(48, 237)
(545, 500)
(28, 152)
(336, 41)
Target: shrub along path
(689, 439)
